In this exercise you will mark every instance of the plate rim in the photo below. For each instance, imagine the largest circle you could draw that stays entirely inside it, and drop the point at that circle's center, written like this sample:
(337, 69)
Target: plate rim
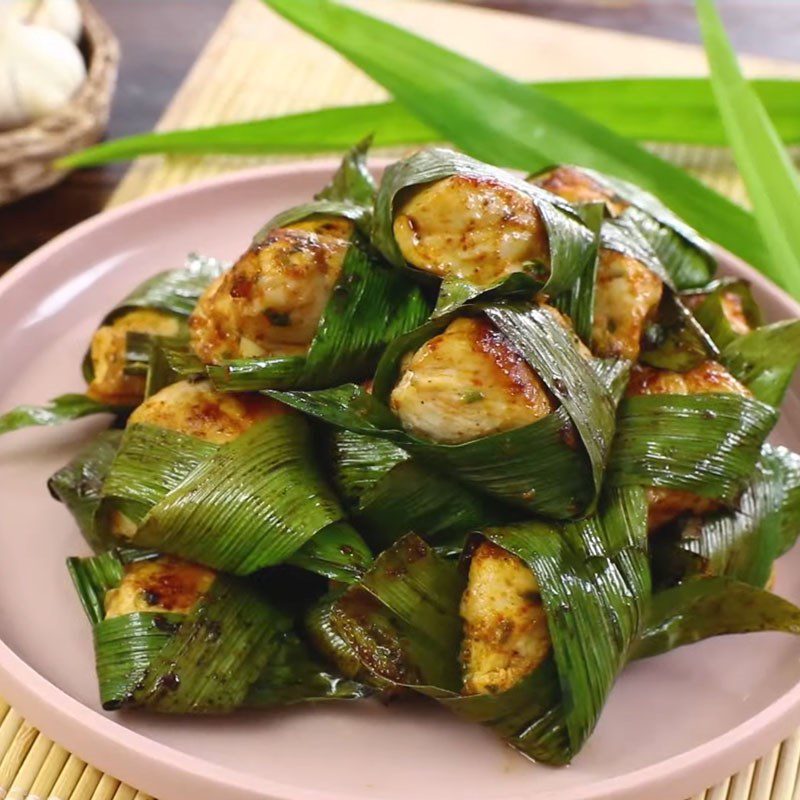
(163, 770)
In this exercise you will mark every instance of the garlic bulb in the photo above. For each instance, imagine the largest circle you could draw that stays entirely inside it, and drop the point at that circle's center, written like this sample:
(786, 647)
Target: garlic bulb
(63, 16)
(40, 70)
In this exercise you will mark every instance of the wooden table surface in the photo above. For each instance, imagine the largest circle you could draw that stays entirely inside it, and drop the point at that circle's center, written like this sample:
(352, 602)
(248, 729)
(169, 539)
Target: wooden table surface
(161, 38)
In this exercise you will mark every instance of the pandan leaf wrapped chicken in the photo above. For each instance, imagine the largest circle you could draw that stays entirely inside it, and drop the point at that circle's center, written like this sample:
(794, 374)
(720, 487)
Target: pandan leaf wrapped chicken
(155, 311)
(693, 437)
(742, 543)
(158, 309)
(391, 493)
(685, 255)
(529, 637)
(632, 311)
(626, 304)
(223, 479)
(162, 625)
(309, 304)
(714, 516)
(636, 312)
(471, 229)
(503, 397)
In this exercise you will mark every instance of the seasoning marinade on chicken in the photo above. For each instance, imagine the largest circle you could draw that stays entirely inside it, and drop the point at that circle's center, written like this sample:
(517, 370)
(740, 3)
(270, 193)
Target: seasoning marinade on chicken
(164, 584)
(196, 409)
(504, 622)
(271, 301)
(665, 505)
(468, 382)
(110, 383)
(627, 294)
(476, 229)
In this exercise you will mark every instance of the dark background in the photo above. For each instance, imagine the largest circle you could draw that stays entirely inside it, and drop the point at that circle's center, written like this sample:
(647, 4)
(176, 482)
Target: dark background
(160, 39)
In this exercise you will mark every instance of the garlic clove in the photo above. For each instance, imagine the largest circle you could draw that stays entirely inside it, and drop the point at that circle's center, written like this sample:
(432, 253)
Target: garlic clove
(40, 70)
(63, 16)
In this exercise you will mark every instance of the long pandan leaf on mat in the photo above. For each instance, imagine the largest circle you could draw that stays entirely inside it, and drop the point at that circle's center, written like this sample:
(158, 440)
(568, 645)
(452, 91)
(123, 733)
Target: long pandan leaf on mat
(648, 109)
(501, 121)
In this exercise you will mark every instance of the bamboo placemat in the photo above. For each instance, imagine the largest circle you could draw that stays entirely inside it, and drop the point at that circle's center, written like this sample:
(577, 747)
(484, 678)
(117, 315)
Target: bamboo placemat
(257, 65)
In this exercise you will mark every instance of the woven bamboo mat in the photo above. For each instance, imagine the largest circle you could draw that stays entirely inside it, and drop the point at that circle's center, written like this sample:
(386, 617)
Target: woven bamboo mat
(256, 65)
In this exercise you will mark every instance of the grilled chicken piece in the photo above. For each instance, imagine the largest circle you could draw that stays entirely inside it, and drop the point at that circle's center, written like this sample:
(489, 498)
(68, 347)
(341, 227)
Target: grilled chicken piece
(271, 300)
(468, 382)
(471, 228)
(194, 408)
(107, 352)
(627, 292)
(163, 584)
(732, 308)
(505, 625)
(578, 187)
(709, 377)
(627, 295)
(665, 505)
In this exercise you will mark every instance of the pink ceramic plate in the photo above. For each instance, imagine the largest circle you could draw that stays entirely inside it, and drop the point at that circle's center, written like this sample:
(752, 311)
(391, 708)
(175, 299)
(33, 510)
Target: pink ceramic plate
(673, 725)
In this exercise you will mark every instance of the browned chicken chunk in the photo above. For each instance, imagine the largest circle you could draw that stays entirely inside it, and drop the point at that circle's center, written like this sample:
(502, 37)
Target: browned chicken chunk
(271, 301)
(163, 584)
(505, 624)
(468, 382)
(475, 229)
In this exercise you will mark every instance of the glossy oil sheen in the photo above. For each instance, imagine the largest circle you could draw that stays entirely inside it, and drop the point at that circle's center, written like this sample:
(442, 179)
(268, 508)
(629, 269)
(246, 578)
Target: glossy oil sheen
(673, 725)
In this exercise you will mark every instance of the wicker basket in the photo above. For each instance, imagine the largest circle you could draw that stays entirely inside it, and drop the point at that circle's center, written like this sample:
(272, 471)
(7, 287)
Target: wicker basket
(26, 154)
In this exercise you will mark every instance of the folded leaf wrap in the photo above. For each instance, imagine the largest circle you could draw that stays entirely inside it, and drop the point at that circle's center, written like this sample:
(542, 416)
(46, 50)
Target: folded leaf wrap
(763, 358)
(173, 292)
(402, 619)
(686, 256)
(254, 502)
(79, 485)
(392, 494)
(708, 444)
(233, 649)
(741, 544)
